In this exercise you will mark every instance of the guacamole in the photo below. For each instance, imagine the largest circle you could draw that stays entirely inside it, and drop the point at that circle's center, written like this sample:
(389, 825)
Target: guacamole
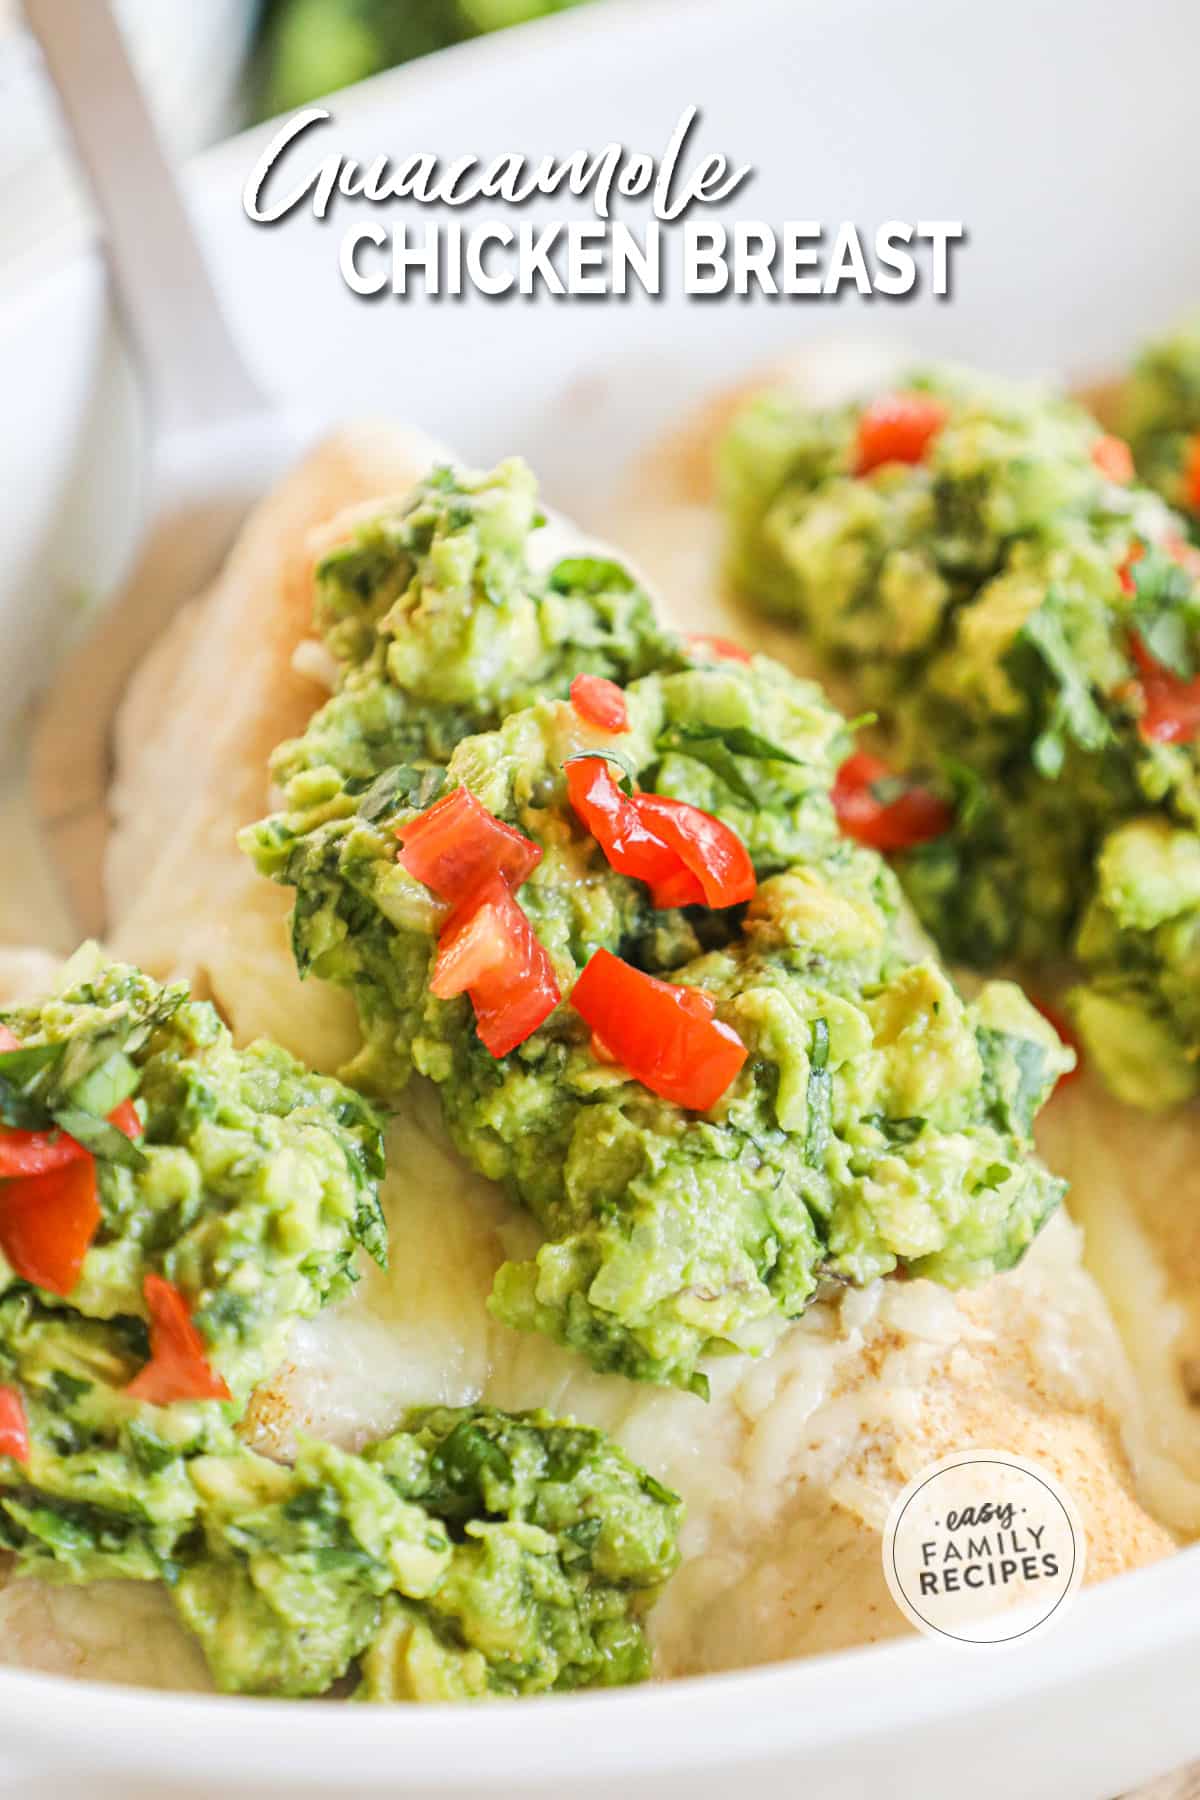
(471, 1552)
(1023, 622)
(250, 1188)
(440, 624)
(1159, 412)
(881, 1124)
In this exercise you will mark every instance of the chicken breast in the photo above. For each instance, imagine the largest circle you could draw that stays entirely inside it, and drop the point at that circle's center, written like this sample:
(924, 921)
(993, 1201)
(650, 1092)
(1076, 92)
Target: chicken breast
(788, 1473)
(1132, 1174)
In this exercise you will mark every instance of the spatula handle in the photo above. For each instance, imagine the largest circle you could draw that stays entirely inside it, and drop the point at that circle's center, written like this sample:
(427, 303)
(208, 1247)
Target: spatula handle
(193, 368)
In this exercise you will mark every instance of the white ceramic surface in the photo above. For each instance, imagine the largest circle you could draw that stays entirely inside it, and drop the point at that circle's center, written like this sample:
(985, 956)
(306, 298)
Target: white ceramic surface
(189, 54)
(1063, 134)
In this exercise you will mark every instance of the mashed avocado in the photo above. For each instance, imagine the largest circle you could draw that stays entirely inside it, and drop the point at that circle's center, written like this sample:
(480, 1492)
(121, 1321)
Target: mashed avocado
(991, 601)
(250, 1189)
(469, 1553)
(880, 1123)
(440, 623)
(1159, 413)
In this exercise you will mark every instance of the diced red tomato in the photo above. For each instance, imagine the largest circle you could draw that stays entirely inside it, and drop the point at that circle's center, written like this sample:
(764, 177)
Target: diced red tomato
(1191, 473)
(1114, 459)
(1177, 548)
(685, 856)
(38, 1152)
(49, 1206)
(914, 816)
(1170, 703)
(32, 1152)
(457, 843)
(666, 1037)
(179, 1368)
(1069, 1036)
(14, 1426)
(125, 1118)
(489, 950)
(897, 428)
(1133, 555)
(599, 702)
(714, 854)
(482, 937)
(680, 889)
(629, 845)
(47, 1223)
(724, 647)
(504, 1019)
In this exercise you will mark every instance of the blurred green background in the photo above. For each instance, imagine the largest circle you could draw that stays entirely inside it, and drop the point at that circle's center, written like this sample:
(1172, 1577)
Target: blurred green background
(311, 47)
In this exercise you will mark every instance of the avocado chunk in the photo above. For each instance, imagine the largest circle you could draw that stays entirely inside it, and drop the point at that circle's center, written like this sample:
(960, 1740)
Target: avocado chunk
(439, 623)
(1139, 1018)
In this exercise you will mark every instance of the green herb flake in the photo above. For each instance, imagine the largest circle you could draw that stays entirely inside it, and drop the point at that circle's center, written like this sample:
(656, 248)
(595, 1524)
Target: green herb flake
(820, 1096)
(719, 751)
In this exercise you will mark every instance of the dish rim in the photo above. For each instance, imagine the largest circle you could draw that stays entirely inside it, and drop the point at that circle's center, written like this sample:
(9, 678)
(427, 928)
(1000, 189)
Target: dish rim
(802, 1705)
(799, 1707)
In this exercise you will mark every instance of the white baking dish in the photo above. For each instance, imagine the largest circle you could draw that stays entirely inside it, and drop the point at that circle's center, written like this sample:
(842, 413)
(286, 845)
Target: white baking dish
(1063, 137)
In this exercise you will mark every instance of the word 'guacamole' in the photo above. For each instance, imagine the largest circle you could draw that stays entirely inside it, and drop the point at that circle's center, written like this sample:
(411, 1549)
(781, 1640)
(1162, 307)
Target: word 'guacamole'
(880, 1123)
(470, 1552)
(977, 559)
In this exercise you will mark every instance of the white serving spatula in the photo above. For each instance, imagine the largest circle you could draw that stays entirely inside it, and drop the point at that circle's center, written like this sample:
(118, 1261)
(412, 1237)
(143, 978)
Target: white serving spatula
(217, 442)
